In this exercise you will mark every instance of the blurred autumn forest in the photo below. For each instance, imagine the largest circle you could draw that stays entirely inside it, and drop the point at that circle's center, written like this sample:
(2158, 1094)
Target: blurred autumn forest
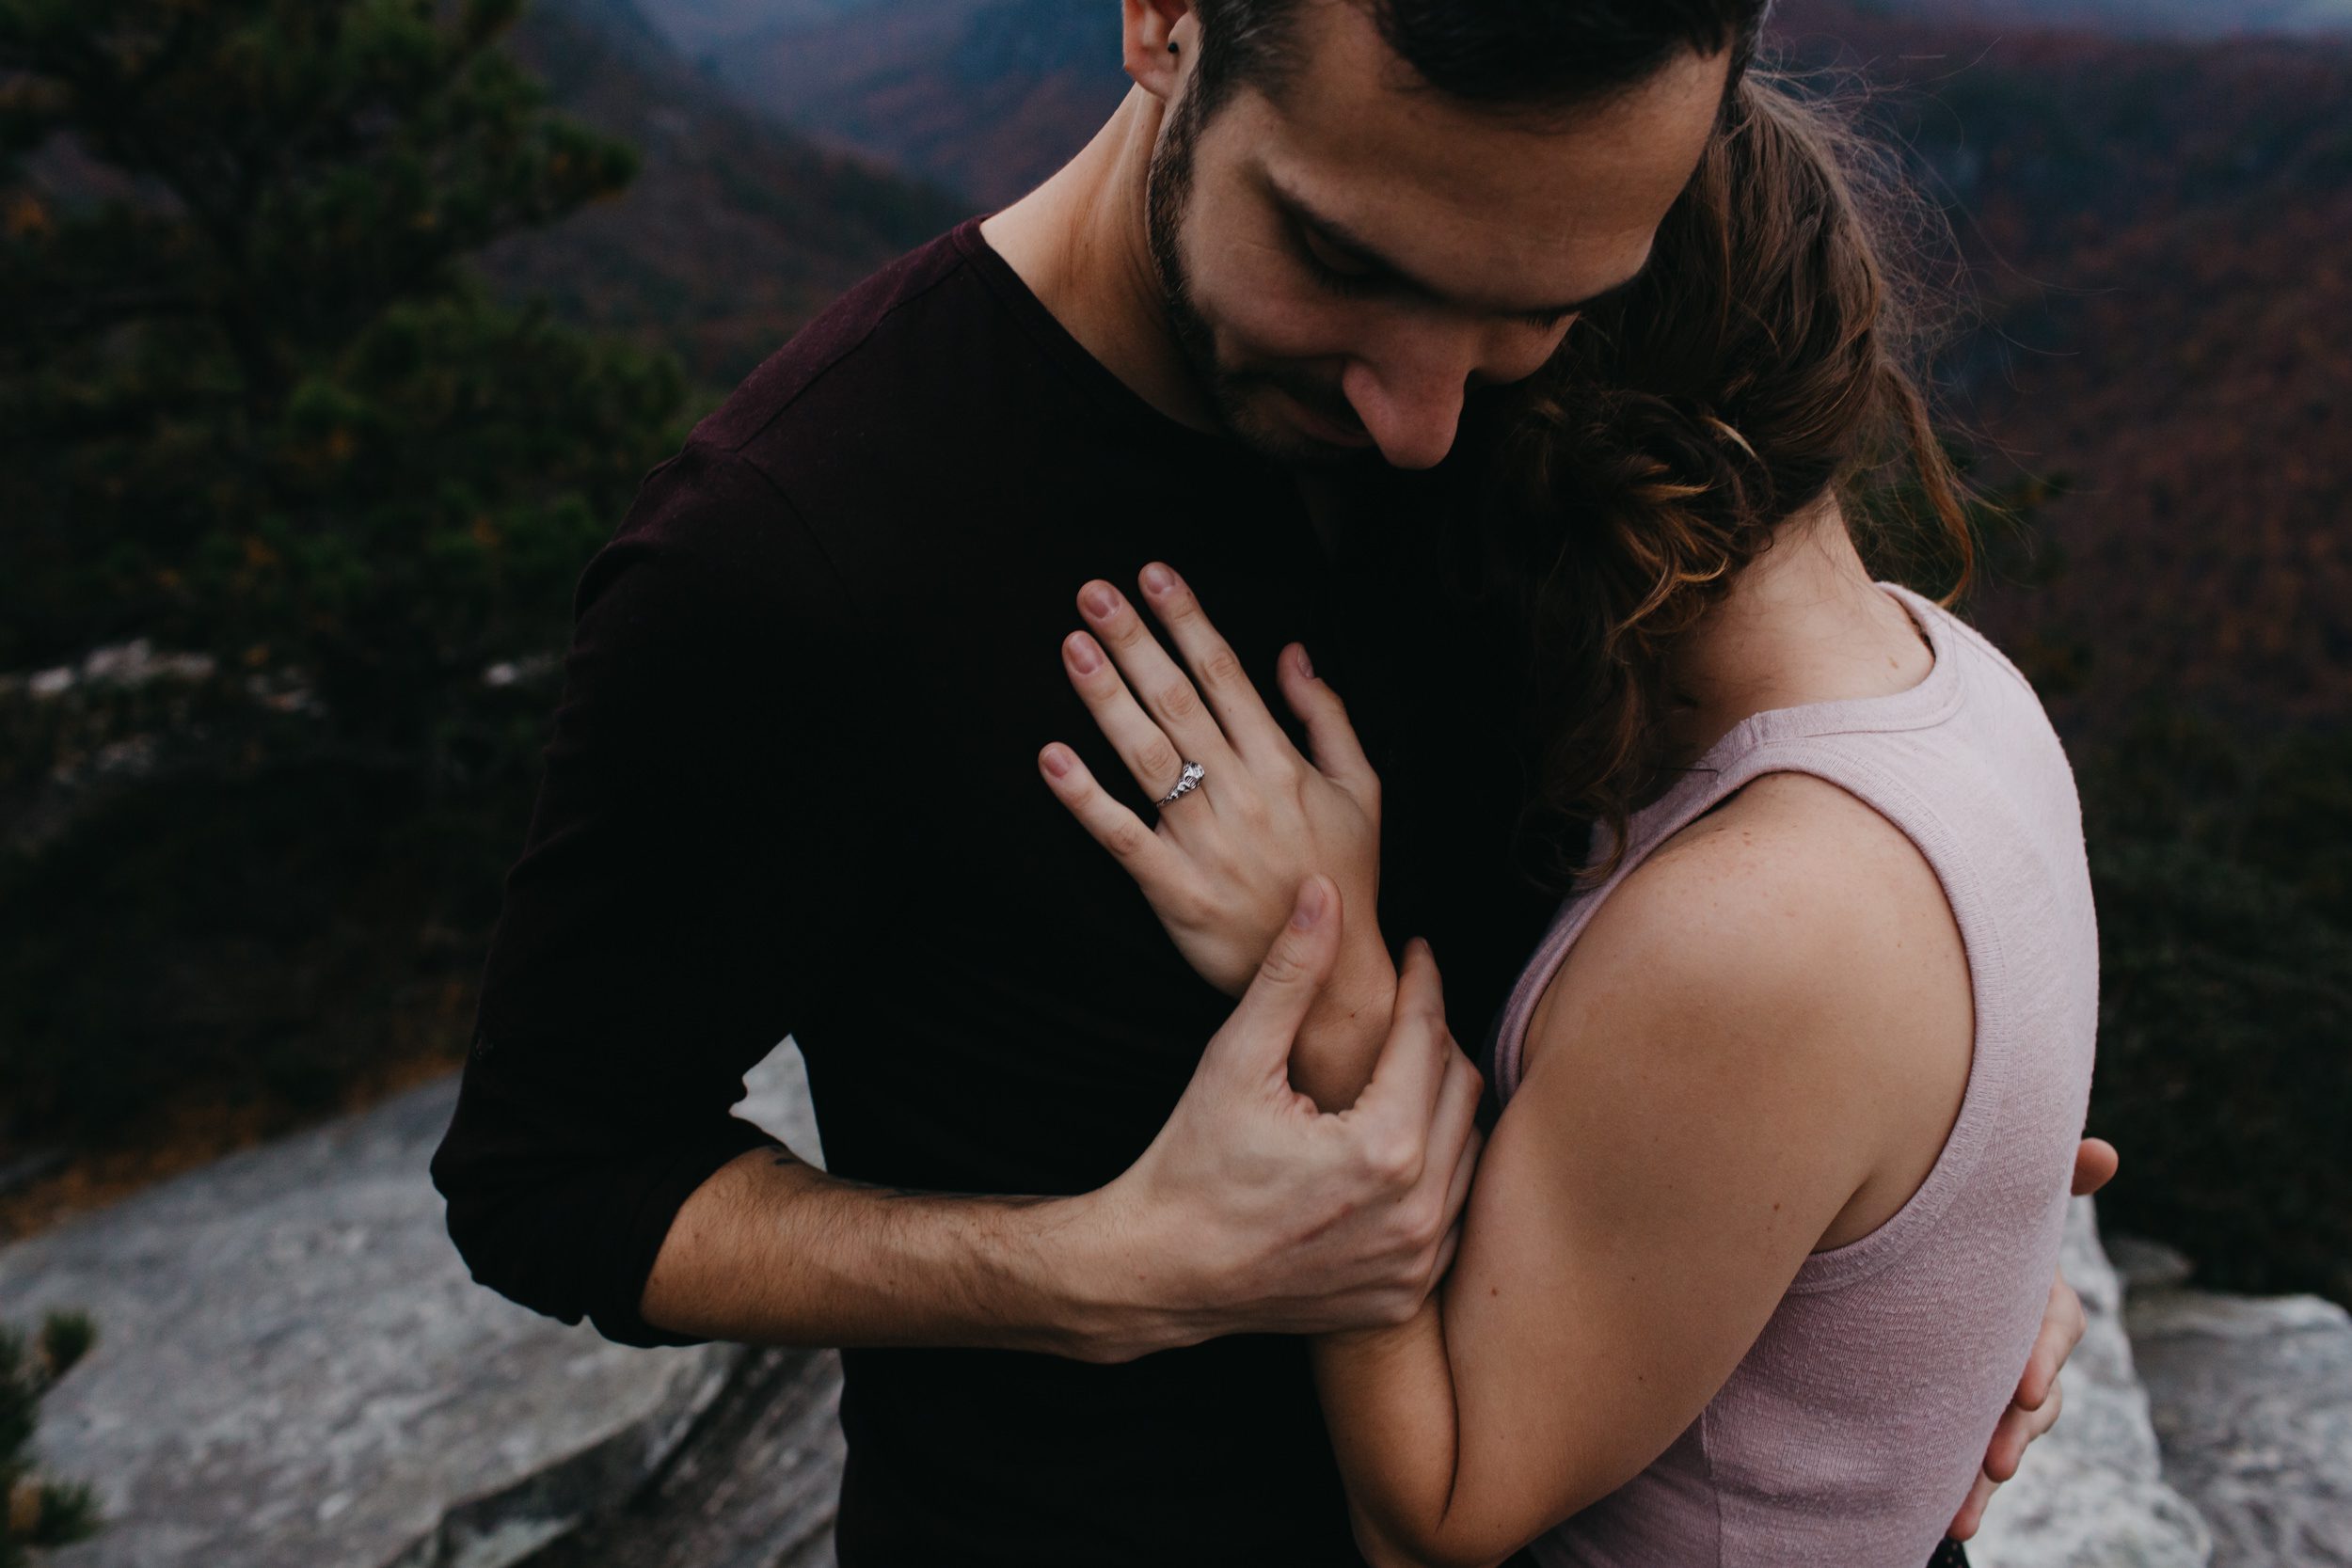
(338, 332)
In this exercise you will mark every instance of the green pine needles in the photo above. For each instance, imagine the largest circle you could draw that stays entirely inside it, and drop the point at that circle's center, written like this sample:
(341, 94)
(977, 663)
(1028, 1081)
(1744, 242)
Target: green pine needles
(34, 1513)
(258, 408)
(254, 400)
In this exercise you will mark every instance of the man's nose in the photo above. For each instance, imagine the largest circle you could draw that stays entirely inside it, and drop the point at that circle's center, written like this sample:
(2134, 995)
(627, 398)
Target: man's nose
(1408, 390)
(1412, 415)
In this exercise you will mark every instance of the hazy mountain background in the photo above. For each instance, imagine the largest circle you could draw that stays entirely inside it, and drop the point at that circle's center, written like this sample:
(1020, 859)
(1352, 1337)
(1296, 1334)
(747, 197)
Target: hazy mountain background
(2139, 17)
(2155, 197)
(739, 226)
(2158, 229)
(2155, 201)
(969, 92)
(699, 25)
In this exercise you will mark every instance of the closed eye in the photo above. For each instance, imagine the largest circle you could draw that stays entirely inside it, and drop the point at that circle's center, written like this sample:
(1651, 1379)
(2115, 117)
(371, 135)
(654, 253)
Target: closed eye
(1334, 269)
(1342, 273)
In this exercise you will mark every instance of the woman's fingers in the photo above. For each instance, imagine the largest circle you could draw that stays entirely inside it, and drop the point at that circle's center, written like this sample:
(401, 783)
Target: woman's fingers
(1151, 677)
(1149, 754)
(1218, 671)
(1147, 857)
(1339, 755)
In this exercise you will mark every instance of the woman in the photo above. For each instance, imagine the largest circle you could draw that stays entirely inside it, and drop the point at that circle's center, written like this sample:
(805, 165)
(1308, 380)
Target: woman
(1791, 1093)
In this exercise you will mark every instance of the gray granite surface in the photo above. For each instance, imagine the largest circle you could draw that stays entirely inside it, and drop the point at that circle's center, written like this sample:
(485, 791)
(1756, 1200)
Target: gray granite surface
(295, 1370)
(754, 1486)
(294, 1367)
(2253, 1405)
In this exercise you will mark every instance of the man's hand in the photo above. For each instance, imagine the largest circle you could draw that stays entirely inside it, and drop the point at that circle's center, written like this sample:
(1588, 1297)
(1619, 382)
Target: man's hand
(1254, 1212)
(2035, 1408)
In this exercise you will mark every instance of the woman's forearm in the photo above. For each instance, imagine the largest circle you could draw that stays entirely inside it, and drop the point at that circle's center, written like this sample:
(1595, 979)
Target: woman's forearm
(1390, 1400)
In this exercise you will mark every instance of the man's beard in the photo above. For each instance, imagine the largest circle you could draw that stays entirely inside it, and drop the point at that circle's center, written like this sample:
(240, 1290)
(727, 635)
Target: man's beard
(1167, 192)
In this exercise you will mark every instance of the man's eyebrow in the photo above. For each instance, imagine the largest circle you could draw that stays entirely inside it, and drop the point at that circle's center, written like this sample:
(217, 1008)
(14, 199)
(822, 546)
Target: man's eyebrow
(1340, 237)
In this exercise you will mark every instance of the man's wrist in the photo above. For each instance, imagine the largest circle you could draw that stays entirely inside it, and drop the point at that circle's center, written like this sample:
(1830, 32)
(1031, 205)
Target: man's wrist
(1108, 1299)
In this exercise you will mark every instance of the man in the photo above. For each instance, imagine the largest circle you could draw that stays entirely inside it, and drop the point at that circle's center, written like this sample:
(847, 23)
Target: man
(792, 787)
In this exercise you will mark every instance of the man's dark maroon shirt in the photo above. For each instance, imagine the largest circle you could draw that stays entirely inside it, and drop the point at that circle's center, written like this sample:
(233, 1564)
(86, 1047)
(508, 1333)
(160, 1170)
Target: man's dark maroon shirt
(792, 789)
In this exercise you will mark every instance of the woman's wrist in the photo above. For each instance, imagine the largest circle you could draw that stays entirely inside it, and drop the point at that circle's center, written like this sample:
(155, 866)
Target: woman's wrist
(1341, 1042)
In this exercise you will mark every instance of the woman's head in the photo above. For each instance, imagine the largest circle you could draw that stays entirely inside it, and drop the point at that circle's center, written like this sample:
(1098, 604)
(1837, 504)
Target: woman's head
(1765, 362)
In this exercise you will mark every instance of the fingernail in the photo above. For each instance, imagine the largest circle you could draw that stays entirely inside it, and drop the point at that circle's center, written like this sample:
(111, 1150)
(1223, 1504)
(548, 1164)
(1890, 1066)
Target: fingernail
(1306, 665)
(1057, 761)
(1158, 579)
(1311, 905)
(1099, 602)
(1085, 657)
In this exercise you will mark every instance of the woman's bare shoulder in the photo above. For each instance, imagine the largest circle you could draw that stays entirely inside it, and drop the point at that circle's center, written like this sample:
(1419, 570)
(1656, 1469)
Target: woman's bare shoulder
(1793, 924)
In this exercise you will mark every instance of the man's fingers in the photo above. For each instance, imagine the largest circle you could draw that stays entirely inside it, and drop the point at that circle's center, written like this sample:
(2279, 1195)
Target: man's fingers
(2020, 1426)
(1465, 1168)
(1971, 1516)
(2063, 1325)
(1214, 667)
(2008, 1445)
(2094, 1166)
(1411, 1072)
(2034, 1411)
(1456, 1198)
(1339, 754)
(1453, 1129)
(1256, 1040)
(1448, 1250)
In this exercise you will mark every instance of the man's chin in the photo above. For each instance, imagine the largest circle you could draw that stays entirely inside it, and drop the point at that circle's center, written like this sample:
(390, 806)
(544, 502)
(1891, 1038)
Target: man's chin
(1283, 445)
(1258, 424)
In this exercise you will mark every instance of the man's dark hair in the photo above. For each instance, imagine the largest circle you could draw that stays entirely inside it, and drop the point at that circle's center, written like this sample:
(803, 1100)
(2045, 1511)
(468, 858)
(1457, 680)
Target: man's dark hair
(1539, 57)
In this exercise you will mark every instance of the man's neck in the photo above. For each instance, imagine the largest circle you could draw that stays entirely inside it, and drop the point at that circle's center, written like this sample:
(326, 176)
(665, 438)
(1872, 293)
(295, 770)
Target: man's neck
(1081, 243)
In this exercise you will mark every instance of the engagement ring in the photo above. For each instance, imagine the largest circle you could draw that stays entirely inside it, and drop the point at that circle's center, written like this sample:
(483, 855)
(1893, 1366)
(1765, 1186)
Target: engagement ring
(1194, 773)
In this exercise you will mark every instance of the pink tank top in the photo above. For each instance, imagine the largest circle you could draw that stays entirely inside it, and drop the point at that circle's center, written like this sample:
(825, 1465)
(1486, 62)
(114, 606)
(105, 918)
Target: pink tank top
(1851, 1431)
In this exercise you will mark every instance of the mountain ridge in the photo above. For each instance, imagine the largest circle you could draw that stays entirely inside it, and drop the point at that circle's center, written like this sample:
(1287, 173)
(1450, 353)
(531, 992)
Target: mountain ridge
(2151, 225)
(696, 26)
(737, 228)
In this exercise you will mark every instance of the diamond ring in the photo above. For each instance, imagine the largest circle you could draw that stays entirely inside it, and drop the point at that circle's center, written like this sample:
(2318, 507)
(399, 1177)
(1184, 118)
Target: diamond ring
(1193, 774)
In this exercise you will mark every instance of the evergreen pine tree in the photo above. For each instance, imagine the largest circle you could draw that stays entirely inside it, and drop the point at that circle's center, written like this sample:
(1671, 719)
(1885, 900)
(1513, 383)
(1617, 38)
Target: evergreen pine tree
(35, 1513)
(255, 405)
(252, 403)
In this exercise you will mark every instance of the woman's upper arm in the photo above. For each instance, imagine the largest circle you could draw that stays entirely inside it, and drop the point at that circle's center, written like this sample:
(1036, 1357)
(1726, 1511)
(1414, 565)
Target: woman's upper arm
(1706, 1095)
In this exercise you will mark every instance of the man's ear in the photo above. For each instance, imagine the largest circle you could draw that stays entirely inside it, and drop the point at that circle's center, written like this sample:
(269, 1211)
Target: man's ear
(1159, 35)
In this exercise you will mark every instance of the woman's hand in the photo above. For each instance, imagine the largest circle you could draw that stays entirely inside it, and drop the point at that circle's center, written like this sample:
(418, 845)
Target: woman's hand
(1222, 865)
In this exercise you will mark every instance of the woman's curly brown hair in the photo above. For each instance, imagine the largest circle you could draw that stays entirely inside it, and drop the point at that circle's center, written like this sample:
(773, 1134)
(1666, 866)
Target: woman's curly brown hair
(1765, 361)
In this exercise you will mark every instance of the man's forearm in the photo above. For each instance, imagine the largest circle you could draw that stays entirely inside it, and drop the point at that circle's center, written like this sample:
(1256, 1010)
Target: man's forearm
(770, 1250)
(1242, 1216)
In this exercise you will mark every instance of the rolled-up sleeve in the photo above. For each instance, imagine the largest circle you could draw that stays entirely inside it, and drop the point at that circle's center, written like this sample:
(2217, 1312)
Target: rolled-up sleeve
(664, 922)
